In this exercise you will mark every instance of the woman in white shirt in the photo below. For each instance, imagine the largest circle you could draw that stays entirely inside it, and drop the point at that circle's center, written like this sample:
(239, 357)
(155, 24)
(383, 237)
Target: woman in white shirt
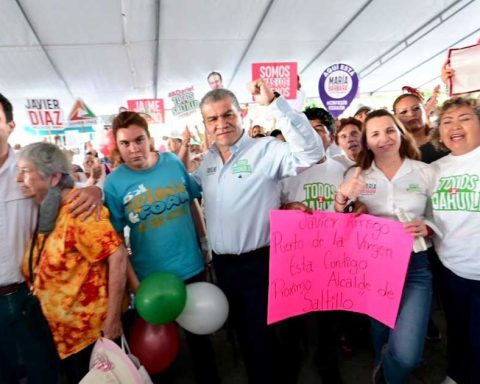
(388, 178)
(455, 197)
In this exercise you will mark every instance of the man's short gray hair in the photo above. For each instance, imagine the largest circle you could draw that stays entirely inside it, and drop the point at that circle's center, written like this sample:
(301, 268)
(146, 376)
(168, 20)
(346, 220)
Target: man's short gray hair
(47, 158)
(217, 95)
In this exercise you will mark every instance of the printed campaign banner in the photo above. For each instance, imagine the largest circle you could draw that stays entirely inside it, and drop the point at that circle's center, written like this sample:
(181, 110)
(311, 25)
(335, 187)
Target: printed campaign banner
(280, 77)
(333, 261)
(154, 108)
(81, 114)
(338, 86)
(44, 113)
(184, 102)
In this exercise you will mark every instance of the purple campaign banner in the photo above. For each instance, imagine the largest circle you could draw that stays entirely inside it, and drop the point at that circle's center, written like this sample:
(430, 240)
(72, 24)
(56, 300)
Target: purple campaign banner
(337, 87)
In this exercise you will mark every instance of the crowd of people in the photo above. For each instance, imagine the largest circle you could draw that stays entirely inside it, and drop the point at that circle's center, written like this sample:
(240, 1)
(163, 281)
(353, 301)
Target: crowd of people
(65, 266)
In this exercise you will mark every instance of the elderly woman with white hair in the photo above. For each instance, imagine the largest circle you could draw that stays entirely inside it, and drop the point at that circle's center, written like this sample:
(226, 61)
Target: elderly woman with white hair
(76, 268)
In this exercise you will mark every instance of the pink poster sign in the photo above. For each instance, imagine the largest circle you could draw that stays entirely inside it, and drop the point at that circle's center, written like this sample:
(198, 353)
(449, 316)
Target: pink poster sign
(153, 108)
(280, 77)
(332, 261)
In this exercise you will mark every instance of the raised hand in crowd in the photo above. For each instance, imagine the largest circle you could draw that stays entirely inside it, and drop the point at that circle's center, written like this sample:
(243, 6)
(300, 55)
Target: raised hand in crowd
(447, 72)
(432, 103)
(262, 94)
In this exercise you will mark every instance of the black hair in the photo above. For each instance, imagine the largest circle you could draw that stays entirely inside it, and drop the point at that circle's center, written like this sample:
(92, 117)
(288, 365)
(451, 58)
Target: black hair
(213, 74)
(7, 108)
(315, 113)
(275, 132)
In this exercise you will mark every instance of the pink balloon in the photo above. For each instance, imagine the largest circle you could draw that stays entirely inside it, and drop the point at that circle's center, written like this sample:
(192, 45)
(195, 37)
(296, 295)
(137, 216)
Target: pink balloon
(156, 346)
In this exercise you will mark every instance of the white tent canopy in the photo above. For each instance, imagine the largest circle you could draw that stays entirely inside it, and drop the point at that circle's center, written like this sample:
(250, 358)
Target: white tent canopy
(108, 51)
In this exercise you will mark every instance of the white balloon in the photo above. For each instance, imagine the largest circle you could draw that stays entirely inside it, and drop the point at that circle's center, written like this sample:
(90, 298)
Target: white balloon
(206, 309)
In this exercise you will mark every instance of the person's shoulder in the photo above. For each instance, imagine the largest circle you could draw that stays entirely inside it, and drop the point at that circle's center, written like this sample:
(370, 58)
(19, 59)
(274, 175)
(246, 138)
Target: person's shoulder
(118, 177)
(441, 162)
(169, 157)
(91, 226)
(417, 164)
(334, 164)
(269, 140)
(269, 144)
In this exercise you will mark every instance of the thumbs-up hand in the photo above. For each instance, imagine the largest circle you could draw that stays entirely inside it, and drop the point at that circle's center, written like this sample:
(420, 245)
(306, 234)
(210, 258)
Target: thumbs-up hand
(353, 187)
(186, 136)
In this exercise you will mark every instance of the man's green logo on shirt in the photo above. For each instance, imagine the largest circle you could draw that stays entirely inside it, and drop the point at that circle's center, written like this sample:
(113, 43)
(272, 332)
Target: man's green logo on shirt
(242, 166)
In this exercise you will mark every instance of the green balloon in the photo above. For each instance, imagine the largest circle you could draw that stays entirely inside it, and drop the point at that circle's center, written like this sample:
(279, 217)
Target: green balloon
(161, 298)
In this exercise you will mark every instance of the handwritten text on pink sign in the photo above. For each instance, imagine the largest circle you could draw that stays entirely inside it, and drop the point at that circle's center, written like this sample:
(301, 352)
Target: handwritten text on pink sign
(331, 261)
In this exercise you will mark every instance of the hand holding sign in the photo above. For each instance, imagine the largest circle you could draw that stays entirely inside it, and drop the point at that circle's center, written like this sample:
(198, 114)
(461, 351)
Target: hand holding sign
(260, 91)
(417, 228)
(297, 206)
(447, 72)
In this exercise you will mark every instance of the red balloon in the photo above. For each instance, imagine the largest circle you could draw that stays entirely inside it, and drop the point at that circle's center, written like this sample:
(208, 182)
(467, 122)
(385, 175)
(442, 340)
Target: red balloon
(110, 140)
(104, 149)
(108, 145)
(156, 346)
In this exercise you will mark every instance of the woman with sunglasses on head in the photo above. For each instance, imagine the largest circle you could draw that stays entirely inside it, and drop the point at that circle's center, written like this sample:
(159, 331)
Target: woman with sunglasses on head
(388, 164)
(455, 198)
(410, 110)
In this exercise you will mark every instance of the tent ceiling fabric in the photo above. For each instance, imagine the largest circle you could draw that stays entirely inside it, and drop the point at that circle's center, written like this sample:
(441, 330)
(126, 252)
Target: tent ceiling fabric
(107, 51)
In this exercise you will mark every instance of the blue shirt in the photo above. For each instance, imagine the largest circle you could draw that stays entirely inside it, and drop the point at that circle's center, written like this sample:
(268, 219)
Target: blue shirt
(155, 204)
(239, 194)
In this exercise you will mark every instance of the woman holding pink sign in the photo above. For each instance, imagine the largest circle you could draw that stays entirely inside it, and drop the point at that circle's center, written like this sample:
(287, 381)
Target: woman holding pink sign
(389, 181)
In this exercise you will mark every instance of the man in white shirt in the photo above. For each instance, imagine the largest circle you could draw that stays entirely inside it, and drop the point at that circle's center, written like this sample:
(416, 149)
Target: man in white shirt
(240, 181)
(26, 348)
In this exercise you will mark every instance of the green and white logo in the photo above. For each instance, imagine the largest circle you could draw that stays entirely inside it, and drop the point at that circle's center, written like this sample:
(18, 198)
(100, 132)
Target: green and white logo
(413, 188)
(457, 193)
(242, 166)
(319, 196)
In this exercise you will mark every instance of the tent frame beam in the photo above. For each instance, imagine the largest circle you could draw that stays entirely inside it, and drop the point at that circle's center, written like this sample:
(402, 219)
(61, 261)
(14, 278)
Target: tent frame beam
(250, 42)
(411, 39)
(44, 49)
(337, 35)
